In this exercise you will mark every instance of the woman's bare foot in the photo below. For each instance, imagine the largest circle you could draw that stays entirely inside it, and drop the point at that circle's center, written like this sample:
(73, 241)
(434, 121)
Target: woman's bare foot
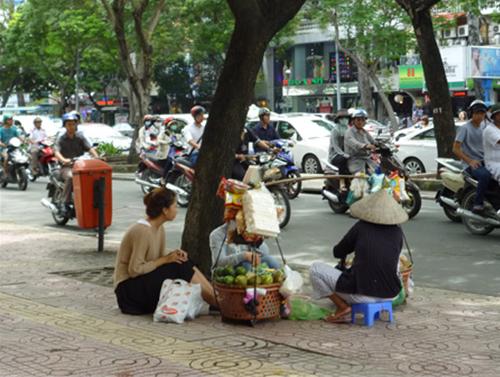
(342, 315)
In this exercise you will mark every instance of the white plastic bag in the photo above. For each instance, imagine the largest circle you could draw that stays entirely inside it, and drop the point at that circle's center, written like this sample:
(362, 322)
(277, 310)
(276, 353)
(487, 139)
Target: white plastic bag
(179, 300)
(293, 282)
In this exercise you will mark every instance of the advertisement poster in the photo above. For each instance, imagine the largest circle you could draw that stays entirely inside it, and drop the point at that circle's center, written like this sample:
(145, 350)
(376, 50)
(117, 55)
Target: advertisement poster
(484, 62)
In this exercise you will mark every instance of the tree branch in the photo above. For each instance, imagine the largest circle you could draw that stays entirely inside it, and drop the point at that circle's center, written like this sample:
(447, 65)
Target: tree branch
(109, 11)
(156, 18)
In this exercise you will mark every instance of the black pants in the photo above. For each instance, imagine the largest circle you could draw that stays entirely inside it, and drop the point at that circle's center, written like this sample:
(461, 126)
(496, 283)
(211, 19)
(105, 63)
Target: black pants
(341, 162)
(140, 295)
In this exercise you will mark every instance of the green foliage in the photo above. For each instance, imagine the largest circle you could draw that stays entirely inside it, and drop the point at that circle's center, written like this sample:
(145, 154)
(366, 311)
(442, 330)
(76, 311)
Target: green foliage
(108, 150)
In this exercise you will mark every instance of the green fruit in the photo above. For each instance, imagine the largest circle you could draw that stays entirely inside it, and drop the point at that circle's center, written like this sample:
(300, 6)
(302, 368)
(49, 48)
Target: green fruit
(264, 265)
(267, 279)
(229, 280)
(240, 270)
(278, 276)
(219, 271)
(253, 278)
(219, 279)
(241, 280)
(229, 270)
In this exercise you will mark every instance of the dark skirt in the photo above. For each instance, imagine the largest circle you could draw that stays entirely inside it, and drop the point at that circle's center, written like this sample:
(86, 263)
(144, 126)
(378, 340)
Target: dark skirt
(140, 295)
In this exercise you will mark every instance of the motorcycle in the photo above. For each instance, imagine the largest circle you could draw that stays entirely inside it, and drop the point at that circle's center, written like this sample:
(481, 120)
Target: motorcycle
(17, 165)
(270, 174)
(283, 162)
(485, 223)
(450, 194)
(46, 161)
(336, 191)
(55, 200)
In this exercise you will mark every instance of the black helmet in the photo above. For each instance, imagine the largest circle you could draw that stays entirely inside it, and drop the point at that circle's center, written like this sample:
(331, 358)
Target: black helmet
(197, 110)
(477, 106)
(495, 109)
(264, 111)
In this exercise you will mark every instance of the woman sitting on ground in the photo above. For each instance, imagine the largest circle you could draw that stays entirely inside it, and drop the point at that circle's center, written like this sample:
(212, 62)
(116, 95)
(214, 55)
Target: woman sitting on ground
(143, 262)
(377, 240)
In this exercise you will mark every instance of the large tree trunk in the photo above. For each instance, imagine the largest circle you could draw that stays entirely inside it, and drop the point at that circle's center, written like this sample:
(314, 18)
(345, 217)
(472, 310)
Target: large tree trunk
(256, 23)
(365, 91)
(435, 76)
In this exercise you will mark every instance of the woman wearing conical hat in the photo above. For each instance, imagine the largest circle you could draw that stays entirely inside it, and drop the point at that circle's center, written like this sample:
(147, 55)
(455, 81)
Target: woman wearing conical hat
(376, 240)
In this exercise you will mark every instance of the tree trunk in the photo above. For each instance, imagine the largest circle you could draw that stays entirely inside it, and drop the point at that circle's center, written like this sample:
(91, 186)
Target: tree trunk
(435, 76)
(256, 23)
(7, 93)
(20, 98)
(365, 91)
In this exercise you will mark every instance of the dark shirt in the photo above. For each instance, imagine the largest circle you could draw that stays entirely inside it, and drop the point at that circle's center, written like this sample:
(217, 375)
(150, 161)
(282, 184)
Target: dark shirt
(374, 269)
(73, 147)
(248, 137)
(267, 134)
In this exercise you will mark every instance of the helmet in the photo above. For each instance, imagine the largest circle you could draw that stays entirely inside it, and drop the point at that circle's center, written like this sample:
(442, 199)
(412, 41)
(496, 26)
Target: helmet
(149, 120)
(6, 117)
(495, 109)
(77, 114)
(359, 113)
(197, 110)
(69, 116)
(477, 106)
(264, 111)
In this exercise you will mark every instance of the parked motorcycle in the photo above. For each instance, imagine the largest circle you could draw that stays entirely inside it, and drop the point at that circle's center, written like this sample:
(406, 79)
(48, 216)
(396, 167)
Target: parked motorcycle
(450, 194)
(46, 161)
(17, 165)
(485, 223)
(336, 191)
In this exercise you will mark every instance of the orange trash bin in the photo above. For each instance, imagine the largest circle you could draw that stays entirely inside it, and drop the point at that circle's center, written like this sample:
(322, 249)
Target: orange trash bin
(86, 174)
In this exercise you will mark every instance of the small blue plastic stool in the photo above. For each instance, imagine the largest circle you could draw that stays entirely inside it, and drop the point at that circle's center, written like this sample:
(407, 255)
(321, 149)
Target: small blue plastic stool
(371, 311)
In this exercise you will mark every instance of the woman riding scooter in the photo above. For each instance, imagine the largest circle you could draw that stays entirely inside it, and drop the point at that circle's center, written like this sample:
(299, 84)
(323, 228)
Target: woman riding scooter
(359, 144)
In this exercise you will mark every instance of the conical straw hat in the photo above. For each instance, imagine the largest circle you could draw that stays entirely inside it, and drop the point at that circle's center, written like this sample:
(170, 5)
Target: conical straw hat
(379, 208)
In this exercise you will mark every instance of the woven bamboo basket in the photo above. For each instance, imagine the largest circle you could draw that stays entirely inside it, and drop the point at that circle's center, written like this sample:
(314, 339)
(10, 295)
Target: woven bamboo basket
(232, 307)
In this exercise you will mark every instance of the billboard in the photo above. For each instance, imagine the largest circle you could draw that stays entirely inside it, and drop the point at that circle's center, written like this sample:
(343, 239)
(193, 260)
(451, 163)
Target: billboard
(411, 76)
(484, 62)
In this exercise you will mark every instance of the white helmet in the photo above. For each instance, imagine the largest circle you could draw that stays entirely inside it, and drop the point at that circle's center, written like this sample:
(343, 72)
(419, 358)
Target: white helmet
(359, 113)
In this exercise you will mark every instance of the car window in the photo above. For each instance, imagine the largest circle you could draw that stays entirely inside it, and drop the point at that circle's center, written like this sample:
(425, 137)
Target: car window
(286, 131)
(427, 135)
(325, 124)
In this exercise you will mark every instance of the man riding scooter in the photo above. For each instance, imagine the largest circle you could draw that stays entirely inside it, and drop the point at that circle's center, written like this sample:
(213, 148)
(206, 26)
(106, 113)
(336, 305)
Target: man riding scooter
(7, 132)
(359, 144)
(70, 145)
(468, 147)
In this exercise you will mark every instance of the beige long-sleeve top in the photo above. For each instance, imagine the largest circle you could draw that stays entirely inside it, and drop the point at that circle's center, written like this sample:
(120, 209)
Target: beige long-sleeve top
(142, 244)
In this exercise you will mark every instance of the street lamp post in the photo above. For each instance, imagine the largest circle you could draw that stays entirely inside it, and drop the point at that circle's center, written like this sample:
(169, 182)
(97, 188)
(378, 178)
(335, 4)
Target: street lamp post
(77, 81)
(337, 63)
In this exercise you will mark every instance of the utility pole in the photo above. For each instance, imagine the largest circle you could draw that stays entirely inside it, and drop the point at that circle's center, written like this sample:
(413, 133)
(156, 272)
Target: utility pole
(77, 81)
(337, 63)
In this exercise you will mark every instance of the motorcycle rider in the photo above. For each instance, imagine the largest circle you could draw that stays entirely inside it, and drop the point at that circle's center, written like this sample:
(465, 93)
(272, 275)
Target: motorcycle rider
(468, 147)
(71, 144)
(264, 131)
(491, 143)
(241, 163)
(336, 154)
(7, 132)
(359, 144)
(37, 135)
(148, 133)
(193, 133)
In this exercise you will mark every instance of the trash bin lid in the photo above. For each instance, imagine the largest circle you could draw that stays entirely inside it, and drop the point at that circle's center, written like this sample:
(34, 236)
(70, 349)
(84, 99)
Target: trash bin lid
(90, 166)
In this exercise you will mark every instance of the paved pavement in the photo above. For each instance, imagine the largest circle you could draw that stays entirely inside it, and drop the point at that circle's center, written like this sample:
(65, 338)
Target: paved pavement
(58, 317)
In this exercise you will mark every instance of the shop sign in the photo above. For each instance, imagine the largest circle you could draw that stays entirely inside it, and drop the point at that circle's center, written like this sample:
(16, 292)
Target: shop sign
(454, 63)
(313, 81)
(411, 76)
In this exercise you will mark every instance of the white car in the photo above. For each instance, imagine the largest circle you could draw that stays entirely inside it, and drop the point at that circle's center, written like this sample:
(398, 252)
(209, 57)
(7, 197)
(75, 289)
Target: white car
(311, 136)
(418, 150)
(124, 128)
(99, 133)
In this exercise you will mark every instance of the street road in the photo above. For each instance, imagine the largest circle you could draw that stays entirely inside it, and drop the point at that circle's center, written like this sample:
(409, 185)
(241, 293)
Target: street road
(445, 254)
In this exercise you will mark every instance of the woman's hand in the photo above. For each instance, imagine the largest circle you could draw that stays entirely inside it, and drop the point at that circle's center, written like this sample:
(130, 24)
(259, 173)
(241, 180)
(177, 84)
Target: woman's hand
(176, 256)
(249, 257)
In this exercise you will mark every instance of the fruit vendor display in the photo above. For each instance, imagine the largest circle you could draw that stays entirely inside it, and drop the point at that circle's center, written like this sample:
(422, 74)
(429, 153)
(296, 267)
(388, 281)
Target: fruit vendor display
(240, 277)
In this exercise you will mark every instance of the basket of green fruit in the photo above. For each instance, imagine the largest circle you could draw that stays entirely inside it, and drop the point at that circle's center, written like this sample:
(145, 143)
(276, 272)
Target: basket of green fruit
(248, 295)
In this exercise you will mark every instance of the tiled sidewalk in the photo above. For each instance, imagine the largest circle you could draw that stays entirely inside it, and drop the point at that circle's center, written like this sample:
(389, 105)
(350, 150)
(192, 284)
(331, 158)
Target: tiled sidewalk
(55, 325)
